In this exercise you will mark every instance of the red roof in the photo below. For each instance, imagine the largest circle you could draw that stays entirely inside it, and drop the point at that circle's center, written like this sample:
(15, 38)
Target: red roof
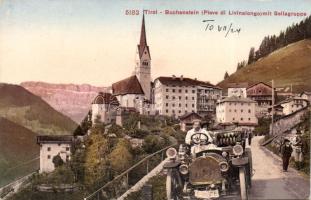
(105, 98)
(129, 85)
(187, 115)
(239, 124)
(181, 81)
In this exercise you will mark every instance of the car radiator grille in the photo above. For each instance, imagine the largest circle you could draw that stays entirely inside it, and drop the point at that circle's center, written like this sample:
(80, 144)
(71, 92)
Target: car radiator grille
(205, 170)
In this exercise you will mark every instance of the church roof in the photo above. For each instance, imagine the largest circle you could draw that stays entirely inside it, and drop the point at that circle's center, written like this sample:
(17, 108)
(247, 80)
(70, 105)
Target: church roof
(105, 98)
(143, 39)
(129, 85)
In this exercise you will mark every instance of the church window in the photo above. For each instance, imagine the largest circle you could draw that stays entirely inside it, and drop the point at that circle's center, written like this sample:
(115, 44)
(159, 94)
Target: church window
(179, 97)
(173, 97)
(173, 105)
(49, 157)
(166, 90)
(186, 98)
(67, 148)
(249, 119)
(49, 148)
(186, 105)
(193, 91)
(180, 105)
(179, 111)
(192, 105)
(192, 98)
(249, 110)
(166, 96)
(186, 91)
(166, 104)
(166, 111)
(241, 118)
(241, 110)
(179, 90)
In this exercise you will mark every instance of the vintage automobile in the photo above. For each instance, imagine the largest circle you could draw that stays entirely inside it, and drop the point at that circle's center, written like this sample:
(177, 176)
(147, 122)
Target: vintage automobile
(206, 170)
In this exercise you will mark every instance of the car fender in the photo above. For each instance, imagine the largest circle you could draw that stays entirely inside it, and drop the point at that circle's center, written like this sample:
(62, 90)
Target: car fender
(240, 161)
(171, 164)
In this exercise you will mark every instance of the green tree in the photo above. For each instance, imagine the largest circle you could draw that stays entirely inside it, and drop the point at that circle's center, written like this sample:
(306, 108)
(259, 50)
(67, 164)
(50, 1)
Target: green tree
(121, 157)
(96, 164)
(226, 75)
(57, 161)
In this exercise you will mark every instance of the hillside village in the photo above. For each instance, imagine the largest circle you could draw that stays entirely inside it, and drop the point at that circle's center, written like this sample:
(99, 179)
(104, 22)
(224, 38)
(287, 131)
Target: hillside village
(138, 116)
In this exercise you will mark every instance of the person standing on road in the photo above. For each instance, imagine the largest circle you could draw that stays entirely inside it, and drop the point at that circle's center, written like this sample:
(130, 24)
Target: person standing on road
(298, 152)
(286, 151)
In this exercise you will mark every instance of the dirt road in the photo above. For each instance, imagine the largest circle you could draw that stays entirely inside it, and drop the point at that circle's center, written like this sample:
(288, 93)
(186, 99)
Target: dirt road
(270, 182)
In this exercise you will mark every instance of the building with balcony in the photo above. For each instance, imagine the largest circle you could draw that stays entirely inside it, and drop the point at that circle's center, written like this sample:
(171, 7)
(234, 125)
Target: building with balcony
(176, 96)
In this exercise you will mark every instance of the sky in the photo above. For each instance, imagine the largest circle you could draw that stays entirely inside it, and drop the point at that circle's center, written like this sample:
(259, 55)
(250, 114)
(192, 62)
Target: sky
(94, 41)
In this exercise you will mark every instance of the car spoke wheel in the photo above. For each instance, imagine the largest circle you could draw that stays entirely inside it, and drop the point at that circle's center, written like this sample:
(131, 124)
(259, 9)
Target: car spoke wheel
(243, 186)
(172, 186)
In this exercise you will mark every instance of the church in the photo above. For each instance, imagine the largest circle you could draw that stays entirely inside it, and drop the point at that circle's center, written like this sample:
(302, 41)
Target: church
(133, 93)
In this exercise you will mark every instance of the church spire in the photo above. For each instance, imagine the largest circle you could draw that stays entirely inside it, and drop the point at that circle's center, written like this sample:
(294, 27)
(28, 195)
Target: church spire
(143, 39)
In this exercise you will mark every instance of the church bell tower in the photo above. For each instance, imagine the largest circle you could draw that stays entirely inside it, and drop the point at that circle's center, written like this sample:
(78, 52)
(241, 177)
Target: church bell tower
(143, 62)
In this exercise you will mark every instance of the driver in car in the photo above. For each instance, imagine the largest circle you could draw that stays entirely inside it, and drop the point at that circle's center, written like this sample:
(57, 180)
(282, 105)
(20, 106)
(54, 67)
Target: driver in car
(195, 130)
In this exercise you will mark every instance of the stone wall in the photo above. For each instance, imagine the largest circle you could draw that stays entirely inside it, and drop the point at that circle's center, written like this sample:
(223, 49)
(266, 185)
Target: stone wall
(286, 123)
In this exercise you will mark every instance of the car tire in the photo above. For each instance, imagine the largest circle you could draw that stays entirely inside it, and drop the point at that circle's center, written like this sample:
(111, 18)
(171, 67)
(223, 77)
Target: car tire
(243, 184)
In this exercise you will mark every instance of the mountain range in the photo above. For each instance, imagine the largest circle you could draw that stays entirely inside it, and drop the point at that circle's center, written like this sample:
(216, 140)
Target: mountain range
(69, 99)
(23, 116)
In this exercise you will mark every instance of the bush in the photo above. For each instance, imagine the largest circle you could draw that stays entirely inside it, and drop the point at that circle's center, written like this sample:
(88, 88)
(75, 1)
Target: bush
(138, 133)
(61, 175)
(153, 143)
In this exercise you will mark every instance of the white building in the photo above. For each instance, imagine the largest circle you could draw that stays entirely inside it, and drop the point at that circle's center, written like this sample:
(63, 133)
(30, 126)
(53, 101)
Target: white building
(104, 108)
(236, 110)
(291, 105)
(129, 92)
(306, 95)
(176, 96)
(51, 146)
(237, 89)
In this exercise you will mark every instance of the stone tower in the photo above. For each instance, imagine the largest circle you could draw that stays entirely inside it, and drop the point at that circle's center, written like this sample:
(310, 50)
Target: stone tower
(143, 62)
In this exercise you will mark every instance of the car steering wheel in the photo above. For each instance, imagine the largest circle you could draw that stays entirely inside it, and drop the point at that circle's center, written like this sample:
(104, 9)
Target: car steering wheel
(199, 138)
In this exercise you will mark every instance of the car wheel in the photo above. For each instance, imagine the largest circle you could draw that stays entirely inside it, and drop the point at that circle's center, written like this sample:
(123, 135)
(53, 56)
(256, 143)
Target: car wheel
(243, 186)
(172, 185)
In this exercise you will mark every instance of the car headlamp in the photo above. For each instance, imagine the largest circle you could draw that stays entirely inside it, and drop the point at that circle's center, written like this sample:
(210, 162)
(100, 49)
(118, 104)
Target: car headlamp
(224, 154)
(171, 153)
(237, 150)
(224, 166)
(183, 169)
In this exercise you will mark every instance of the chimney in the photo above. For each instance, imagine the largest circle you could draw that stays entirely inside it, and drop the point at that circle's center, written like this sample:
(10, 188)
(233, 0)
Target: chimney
(173, 76)
(182, 77)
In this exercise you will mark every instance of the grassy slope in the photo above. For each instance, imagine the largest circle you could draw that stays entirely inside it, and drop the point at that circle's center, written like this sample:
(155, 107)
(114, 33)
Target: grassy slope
(17, 145)
(30, 111)
(288, 65)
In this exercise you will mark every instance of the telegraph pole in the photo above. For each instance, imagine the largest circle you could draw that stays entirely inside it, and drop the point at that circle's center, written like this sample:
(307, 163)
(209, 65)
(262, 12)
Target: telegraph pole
(272, 109)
